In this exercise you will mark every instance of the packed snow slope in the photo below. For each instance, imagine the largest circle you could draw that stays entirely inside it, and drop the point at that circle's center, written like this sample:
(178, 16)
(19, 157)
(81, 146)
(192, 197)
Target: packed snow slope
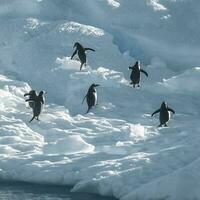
(117, 149)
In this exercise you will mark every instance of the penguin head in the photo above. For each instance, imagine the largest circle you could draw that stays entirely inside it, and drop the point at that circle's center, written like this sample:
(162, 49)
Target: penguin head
(42, 93)
(77, 45)
(164, 104)
(137, 65)
(95, 85)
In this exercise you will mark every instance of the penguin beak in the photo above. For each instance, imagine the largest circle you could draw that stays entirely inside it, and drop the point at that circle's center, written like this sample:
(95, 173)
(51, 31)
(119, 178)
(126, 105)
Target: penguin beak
(97, 85)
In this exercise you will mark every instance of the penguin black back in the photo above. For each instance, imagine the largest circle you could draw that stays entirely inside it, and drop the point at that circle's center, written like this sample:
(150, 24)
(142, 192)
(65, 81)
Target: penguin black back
(32, 96)
(135, 74)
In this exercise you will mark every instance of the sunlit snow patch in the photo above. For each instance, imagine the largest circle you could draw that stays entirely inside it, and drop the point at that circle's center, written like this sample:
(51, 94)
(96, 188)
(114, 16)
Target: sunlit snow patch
(156, 5)
(84, 29)
(185, 82)
(68, 145)
(113, 3)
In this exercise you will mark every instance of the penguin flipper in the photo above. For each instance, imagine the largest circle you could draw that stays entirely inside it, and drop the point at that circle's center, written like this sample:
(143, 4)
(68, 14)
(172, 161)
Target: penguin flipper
(88, 110)
(84, 98)
(30, 100)
(157, 111)
(42, 101)
(32, 119)
(74, 54)
(144, 72)
(26, 94)
(90, 49)
(170, 109)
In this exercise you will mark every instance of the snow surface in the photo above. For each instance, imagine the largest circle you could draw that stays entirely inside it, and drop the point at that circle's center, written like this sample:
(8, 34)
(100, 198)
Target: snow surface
(116, 149)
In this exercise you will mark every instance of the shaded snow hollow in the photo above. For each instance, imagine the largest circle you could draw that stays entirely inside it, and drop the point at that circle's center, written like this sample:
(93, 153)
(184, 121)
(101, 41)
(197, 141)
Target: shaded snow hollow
(117, 149)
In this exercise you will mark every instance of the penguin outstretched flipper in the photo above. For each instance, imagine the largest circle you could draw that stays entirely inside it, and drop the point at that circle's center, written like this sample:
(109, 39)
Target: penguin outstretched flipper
(90, 49)
(171, 110)
(75, 52)
(144, 72)
(157, 111)
(84, 98)
(29, 100)
(26, 94)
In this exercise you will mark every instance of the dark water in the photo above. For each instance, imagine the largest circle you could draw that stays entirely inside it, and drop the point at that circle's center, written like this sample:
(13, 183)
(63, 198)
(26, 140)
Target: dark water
(26, 191)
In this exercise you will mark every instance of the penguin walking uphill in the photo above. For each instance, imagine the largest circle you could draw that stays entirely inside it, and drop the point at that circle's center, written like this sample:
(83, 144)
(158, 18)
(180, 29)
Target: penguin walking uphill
(164, 114)
(38, 105)
(81, 53)
(32, 96)
(135, 74)
(91, 96)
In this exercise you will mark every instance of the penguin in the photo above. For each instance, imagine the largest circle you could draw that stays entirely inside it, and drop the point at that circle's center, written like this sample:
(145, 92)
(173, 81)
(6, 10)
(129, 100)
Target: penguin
(32, 96)
(135, 74)
(91, 96)
(164, 114)
(38, 105)
(81, 53)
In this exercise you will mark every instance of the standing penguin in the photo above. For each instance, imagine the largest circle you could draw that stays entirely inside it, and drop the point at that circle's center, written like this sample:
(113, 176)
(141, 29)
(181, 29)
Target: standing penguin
(135, 74)
(38, 104)
(81, 53)
(164, 114)
(32, 96)
(91, 96)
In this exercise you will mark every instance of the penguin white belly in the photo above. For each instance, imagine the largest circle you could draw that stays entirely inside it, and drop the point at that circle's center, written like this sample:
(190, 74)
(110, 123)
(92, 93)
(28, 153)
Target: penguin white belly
(95, 98)
(169, 114)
